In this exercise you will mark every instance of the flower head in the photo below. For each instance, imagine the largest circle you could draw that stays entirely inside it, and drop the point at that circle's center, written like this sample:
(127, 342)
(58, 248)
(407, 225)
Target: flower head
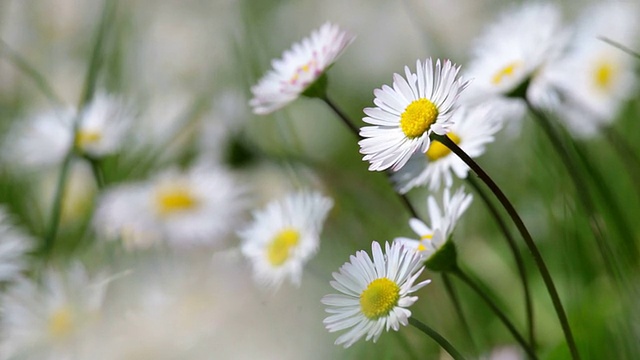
(14, 245)
(299, 68)
(472, 130)
(284, 236)
(432, 238)
(375, 294)
(407, 113)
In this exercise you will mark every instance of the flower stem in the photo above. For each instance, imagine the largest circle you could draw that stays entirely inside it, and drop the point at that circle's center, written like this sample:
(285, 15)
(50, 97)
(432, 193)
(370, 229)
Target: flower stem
(457, 306)
(516, 255)
(499, 313)
(455, 354)
(345, 119)
(537, 257)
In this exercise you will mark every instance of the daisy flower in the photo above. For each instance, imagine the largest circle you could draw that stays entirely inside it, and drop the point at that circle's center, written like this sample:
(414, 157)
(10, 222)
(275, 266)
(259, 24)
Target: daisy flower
(51, 319)
(509, 53)
(407, 113)
(432, 238)
(284, 236)
(375, 294)
(472, 130)
(14, 245)
(299, 68)
(594, 77)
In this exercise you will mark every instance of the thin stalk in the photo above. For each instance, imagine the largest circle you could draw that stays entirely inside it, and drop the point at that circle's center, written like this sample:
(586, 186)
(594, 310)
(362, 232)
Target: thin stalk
(96, 169)
(455, 354)
(345, 119)
(499, 313)
(451, 291)
(537, 257)
(516, 255)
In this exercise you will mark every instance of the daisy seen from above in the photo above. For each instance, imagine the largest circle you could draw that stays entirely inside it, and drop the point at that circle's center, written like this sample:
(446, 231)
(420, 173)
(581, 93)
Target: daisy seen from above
(406, 114)
(375, 293)
(472, 130)
(284, 235)
(299, 68)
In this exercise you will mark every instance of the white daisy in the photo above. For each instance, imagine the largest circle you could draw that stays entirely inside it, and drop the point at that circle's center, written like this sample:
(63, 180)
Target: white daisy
(432, 238)
(407, 114)
(299, 68)
(14, 245)
(472, 130)
(284, 236)
(103, 125)
(509, 53)
(375, 293)
(51, 319)
(194, 207)
(595, 77)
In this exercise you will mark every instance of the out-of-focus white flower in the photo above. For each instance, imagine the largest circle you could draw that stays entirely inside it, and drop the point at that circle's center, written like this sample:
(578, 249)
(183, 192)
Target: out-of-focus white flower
(375, 294)
(405, 116)
(299, 68)
(50, 320)
(284, 236)
(14, 244)
(197, 206)
(472, 130)
(432, 238)
(594, 77)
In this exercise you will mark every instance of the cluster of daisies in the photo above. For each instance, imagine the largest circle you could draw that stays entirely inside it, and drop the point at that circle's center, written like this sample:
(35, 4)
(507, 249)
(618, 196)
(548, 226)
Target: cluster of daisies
(527, 58)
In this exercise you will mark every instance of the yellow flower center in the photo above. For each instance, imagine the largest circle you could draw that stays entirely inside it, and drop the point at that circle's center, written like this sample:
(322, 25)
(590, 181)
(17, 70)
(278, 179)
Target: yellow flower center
(418, 117)
(506, 72)
(173, 199)
(438, 150)
(87, 137)
(280, 247)
(421, 246)
(302, 69)
(61, 322)
(379, 298)
(604, 75)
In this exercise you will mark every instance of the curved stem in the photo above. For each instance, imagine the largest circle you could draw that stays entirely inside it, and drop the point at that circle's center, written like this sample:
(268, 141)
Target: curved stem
(451, 291)
(499, 313)
(516, 255)
(437, 338)
(537, 257)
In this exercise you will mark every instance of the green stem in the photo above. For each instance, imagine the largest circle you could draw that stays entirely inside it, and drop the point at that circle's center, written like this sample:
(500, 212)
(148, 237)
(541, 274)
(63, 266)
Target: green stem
(96, 169)
(455, 354)
(516, 255)
(499, 313)
(531, 245)
(451, 291)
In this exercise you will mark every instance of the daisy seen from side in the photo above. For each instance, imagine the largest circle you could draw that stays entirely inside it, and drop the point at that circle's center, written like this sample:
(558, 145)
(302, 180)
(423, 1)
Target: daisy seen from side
(375, 293)
(406, 114)
(299, 68)
(284, 235)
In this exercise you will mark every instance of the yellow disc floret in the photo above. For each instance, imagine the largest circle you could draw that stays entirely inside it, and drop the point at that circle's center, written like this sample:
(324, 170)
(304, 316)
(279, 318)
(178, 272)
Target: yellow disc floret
(438, 150)
(173, 199)
(61, 322)
(506, 72)
(380, 297)
(418, 117)
(604, 75)
(87, 137)
(280, 247)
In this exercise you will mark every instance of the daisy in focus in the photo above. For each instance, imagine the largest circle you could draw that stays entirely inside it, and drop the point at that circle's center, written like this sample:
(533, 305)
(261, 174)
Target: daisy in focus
(407, 113)
(375, 294)
(594, 77)
(50, 320)
(433, 238)
(300, 67)
(284, 236)
(508, 54)
(472, 130)
(14, 246)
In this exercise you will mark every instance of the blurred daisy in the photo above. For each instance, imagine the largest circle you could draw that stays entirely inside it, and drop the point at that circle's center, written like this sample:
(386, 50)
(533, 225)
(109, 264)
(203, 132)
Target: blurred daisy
(375, 294)
(14, 245)
(472, 130)
(51, 319)
(594, 77)
(194, 207)
(509, 53)
(407, 114)
(432, 238)
(299, 68)
(284, 236)
(103, 125)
